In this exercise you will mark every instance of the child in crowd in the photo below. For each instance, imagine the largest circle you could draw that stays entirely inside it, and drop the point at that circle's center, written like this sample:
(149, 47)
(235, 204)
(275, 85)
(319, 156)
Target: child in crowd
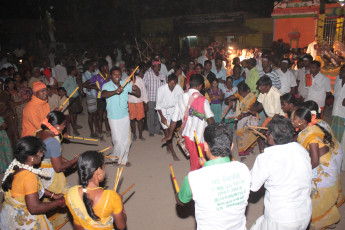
(62, 98)
(216, 96)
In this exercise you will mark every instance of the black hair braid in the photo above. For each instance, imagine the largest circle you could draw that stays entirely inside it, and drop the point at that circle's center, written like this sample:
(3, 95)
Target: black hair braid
(85, 175)
(7, 185)
(328, 137)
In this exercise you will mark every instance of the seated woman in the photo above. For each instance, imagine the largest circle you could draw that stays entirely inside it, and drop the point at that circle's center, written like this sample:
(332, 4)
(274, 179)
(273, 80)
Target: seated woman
(325, 187)
(22, 208)
(288, 104)
(54, 162)
(246, 140)
(93, 207)
(337, 152)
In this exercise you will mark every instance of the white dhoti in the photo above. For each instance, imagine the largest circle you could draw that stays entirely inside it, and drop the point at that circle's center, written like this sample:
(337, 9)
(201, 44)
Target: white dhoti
(167, 113)
(121, 137)
(263, 223)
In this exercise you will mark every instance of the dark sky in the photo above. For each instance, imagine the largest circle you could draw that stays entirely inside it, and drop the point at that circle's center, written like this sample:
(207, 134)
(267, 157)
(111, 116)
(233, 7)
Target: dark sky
(124, 10)
(113, 19)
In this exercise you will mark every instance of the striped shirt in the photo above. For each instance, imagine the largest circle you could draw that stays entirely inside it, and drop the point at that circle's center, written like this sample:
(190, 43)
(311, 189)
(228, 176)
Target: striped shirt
(152, 83)
(275, 79)
(87, 76)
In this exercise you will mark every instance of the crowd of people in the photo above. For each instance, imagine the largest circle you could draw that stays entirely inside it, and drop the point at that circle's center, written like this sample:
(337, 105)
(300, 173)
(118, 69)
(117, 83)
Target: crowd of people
(248, 95)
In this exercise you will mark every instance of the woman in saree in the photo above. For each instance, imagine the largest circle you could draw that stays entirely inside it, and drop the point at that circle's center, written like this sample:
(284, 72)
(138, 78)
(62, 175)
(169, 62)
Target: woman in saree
(337, 152)
(246, 140)
(288, 104)
(92, 206)
(325, 187)
(55, 163)
(18, 101)
(22, 207)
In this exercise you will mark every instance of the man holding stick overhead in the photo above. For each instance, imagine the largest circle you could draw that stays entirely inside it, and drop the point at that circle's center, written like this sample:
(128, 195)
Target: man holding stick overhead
(116, 95)
(195, 112)
(221, 188)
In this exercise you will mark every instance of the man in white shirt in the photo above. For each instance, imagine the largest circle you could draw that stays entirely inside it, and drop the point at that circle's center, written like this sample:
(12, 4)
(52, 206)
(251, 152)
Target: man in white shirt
(301, 75)
(60, 71)
(338, 113)
(269, 101)
(311, 48)
(287, 78)
(203, 57)
(220, 71)
(284, 169)
(320, 87)
(167, 97)
(220, 189)
(195, 112)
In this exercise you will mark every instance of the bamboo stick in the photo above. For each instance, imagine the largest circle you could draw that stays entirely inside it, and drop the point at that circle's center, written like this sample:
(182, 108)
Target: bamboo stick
(61, 106)
(117, 175)
(129, 78)
(197, 144)
(82, 138)
(118, 179)
(129, 188)
(256, 127)
(103, 150)
(177, 189)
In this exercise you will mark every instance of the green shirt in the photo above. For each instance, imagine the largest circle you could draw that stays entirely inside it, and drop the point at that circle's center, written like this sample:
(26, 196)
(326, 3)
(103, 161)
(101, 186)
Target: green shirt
(70, 85)
(185, 195)
(251, 80)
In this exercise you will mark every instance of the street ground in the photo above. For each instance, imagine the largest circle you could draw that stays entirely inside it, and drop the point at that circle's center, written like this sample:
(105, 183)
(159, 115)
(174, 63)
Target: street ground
(151, 204)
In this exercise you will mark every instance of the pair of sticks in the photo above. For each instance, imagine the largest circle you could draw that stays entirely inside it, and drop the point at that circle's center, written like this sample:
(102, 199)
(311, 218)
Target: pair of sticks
(117, 179)
(255, 130)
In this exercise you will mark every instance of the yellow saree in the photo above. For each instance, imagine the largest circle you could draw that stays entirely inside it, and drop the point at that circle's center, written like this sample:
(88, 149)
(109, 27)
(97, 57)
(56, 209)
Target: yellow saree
(109, 203)
(15, 215)
(325, 186)
(56, 184)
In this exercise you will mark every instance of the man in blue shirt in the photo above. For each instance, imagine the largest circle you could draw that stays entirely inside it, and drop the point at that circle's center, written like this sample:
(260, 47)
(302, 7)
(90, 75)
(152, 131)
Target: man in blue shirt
(116, 95)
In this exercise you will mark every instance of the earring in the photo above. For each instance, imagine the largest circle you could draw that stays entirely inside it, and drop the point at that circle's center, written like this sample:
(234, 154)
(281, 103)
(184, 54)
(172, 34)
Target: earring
(32, 159)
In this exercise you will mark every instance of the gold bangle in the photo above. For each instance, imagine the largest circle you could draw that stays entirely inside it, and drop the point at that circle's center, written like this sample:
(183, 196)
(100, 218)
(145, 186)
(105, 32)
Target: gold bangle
(51, 196)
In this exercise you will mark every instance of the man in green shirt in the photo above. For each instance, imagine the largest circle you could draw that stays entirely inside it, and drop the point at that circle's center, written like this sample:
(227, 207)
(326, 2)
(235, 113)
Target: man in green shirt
(221, 188)
(253, 76)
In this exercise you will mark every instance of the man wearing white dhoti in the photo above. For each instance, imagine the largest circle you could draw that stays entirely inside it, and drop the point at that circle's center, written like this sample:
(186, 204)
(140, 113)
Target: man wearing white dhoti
(167, 97)
(116, 94)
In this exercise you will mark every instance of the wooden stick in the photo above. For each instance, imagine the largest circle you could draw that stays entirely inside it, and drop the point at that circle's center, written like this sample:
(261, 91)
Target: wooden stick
(260, 134)
(256, 127)
(61, 106)
(118, 179)
(197, 144)
(103, 150)
(226, 111)
(82, 138)
(129, 78)
(110, 157)
(177, 189)
(117, 175)
(129, 188)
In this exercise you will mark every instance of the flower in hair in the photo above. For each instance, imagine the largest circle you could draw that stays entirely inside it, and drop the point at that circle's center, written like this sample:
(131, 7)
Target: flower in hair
(313, 118)
(50, 127)
(38, 172)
